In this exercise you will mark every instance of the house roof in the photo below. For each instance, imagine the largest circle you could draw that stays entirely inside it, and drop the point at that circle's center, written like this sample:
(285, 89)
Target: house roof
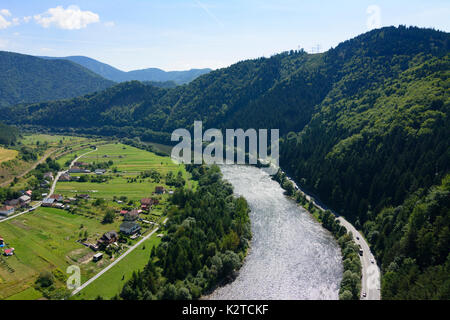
(6, 208)
(48, 200)
(146, 201)
(24, 198)
(127, 225)
(110, 235)
(55, 196)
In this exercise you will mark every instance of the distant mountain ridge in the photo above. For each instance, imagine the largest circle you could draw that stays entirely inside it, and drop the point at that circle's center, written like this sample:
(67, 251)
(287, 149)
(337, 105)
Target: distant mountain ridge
(150, 74)
(28, 79)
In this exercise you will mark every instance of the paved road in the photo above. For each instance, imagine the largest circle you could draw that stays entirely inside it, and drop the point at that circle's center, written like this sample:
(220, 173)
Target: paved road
(370, 271)
(98, 275)
(52, 189)
(370, 282)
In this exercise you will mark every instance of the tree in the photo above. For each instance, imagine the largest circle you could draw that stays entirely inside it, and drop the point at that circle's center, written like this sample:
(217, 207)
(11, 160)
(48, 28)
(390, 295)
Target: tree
(109, 217)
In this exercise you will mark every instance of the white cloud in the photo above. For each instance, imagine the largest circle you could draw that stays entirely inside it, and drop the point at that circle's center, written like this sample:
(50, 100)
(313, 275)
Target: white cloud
(109, 24)
(71, 18)
(16, 21)
(5, 13)
(4, 23)
(27, 19)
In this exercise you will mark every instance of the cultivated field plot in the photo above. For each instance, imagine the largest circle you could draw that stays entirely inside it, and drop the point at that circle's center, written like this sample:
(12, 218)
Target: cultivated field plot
(51, 139)
(46, 240)
(130, 162)
(7, 154)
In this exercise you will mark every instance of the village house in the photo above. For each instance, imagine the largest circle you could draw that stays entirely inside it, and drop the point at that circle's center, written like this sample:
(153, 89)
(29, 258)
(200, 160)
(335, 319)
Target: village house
(6, 211)
(100, 171)
(48, 176)
(129, 227)
(13, 203)
(48, 202)
(131, 216)
(57, 197)
(123, 212)
(147, 203)
(108, 238)
(75, 169)
(80, 164)
(97, 257)
(65, 177)
(29, 193)
(24, 200)
(160, 190)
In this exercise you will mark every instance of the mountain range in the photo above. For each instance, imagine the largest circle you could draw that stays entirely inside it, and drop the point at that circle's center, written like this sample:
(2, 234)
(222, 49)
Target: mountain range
(150, 74)
(364, 126)
(27, 79)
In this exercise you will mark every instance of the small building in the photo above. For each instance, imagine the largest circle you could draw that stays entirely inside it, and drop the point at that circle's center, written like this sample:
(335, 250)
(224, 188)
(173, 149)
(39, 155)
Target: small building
(2, 243)
(57, 197)
(108, 238)
(147, 203)
(29, 193)
(100, 171)
(65, 177)
(123, 212)
(9, 252)
(6, 211)
(129, 227)
(24, 200)
(160, 190)
(80, 164)
(13, 203)
(97, 256)
(133, 215)
(48, 202)
(58, 205)
(48, 176)
(75, 169)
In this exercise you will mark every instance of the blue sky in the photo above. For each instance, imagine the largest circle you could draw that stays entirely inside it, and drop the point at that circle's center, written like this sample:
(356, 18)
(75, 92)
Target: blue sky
(183, 34)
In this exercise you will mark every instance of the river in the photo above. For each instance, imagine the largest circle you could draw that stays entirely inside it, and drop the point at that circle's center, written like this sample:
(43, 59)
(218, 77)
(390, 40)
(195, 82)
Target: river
(291, 256)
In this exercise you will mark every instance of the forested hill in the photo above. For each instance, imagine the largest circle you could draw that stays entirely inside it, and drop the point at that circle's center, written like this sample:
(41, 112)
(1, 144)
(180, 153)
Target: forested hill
(150, 74)
(364, 125)
(27, 79)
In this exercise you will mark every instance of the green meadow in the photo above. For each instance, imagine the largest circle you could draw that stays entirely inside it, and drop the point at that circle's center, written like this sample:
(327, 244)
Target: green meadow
(46, 239)
(129, 162)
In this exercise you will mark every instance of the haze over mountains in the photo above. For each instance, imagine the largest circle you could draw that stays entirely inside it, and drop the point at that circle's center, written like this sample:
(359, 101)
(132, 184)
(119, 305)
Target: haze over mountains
(150, 74)
(365, 126)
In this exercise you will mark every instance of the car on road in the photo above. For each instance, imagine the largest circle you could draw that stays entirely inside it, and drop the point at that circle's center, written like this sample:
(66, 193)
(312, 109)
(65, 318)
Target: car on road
(357, 238)
(364, 295)
(371, 261)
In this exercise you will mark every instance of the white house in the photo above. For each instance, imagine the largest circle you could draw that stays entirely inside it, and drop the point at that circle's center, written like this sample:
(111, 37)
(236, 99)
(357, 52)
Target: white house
(6, 211)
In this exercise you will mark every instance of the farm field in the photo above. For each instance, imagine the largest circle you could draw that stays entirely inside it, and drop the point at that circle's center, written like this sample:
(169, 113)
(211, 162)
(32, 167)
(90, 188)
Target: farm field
(7, 154)
(129, 162)
(46, 240)
(51, 139)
